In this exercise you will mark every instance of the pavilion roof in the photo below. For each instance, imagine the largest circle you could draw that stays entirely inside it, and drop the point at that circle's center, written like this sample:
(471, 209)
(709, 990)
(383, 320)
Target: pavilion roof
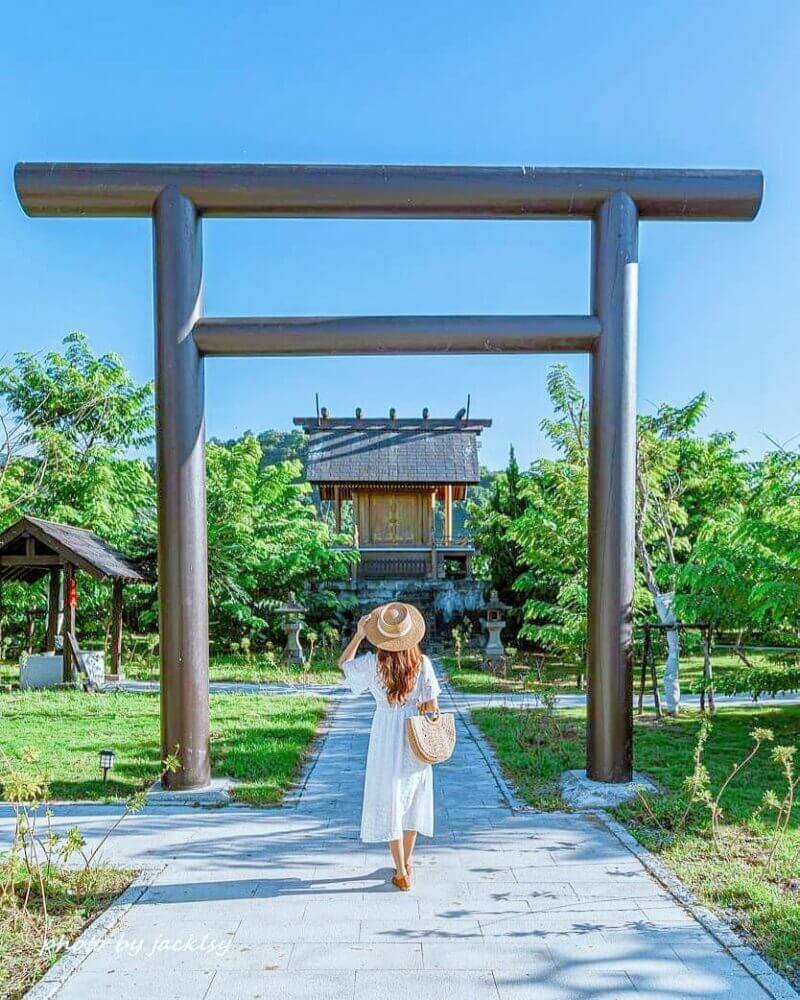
(392, 451)
(79, 546)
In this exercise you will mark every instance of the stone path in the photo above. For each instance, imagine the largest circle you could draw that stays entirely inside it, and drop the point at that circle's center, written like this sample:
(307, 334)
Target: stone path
(287, 903)
(519, 699)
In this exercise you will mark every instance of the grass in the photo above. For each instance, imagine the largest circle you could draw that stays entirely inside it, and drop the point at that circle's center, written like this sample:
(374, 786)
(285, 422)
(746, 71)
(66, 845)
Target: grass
(261, 740)
(260, 668)
(73, 900)
(9, 673)
(535, 747)
(471, 679)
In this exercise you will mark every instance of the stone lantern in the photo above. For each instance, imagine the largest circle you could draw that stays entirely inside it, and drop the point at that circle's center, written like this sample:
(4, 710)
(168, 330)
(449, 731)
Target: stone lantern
(293, 612)
(495, 623)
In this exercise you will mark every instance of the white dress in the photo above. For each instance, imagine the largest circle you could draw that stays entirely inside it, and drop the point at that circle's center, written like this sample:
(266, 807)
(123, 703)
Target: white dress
(398, 789)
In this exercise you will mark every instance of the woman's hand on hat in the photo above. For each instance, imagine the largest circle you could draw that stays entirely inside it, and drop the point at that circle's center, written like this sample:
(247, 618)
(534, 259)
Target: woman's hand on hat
(361, 628)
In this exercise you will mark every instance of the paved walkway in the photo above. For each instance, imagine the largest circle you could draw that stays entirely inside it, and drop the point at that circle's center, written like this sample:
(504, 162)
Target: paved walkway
(287, 903)
(519, 699)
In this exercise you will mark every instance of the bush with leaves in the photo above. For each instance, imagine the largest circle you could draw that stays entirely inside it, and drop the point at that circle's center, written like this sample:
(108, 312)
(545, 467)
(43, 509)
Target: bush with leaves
(264, 540)
(744, 571)
(755, 681)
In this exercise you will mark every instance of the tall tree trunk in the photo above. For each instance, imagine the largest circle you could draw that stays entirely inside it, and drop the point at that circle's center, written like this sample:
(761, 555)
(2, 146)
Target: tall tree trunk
(672, 684)
(663, 601)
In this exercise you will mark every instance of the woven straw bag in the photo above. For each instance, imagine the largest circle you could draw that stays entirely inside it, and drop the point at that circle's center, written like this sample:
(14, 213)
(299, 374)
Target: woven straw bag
(432, 738)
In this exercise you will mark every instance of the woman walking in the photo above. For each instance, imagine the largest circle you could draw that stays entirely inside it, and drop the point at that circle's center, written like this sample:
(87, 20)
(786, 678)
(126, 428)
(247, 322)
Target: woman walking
(398, 788)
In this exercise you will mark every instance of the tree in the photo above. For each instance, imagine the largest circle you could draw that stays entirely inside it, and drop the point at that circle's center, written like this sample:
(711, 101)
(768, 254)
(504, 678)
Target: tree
(531, 529)
(264, 539)
(551, 532)
(744, 570)
(681, 478)
(490, 518)
(660, 520)
(690, 491)
(283, 446)
(276, 446)
(65, 417)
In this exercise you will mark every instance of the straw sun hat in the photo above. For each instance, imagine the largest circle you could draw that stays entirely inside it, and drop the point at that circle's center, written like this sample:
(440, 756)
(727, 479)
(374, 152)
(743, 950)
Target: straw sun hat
(395, 626)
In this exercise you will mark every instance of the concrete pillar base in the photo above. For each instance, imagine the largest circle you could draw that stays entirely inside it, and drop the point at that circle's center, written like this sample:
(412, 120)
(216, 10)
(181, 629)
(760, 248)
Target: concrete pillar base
(215, 794)
(580, 792)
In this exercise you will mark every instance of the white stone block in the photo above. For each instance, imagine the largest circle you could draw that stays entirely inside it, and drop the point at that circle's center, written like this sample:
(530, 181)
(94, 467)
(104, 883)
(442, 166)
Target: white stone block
(41, 670)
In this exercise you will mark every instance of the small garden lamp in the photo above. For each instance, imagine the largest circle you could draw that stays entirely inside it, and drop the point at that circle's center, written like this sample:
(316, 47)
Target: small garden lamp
(106, 762)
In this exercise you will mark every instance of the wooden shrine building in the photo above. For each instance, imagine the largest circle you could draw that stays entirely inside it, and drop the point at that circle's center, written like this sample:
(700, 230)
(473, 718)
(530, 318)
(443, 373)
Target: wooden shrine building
(33, 548)
(401, 477)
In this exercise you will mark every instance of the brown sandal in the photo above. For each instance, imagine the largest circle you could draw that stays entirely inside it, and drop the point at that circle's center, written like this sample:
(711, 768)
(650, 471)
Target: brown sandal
(401, 881)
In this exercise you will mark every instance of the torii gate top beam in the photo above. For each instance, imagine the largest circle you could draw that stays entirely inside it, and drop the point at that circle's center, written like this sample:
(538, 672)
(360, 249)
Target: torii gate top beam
(427, 192)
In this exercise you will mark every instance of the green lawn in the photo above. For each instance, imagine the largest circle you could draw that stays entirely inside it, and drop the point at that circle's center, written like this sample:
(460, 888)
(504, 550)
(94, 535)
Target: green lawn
(259, 739)
(535, 747)
(256, 669)
(473, 680)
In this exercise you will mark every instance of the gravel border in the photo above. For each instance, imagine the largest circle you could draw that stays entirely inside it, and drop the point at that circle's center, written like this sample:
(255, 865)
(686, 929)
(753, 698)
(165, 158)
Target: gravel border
(90, 939)
(776, 985)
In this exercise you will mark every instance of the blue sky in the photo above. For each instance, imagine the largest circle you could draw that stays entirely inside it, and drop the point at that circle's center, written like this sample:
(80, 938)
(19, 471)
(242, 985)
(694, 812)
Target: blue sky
(545, 83)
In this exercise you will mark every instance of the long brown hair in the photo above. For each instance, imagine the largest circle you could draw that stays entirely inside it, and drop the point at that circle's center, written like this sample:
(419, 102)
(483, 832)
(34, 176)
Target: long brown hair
(399, 670)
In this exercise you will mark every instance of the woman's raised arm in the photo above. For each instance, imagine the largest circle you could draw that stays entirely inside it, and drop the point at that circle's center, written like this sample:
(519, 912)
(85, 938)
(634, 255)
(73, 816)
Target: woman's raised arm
(350, 649)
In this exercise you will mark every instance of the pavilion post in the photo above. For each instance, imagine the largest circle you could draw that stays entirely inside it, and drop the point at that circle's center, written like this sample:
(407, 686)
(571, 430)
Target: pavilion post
(53, 609)
(180, 455)
(434, 557)
(612, 478)
(68, 624)
(448, 514)
(337, 500)
(116, 630)
(354, 565)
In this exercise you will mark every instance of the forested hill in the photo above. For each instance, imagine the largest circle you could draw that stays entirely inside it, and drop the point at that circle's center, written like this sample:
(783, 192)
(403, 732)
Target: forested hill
(276, 446)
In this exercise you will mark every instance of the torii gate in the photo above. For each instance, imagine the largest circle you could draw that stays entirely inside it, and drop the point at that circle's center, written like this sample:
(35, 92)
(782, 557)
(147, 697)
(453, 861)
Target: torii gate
(177, 197)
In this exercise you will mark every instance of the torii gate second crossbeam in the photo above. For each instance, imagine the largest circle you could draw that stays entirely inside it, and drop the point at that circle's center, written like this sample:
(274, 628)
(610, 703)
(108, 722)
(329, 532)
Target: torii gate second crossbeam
(177, 196)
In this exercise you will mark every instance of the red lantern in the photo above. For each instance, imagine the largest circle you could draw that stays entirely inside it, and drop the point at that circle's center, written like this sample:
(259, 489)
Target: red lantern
(72, 593)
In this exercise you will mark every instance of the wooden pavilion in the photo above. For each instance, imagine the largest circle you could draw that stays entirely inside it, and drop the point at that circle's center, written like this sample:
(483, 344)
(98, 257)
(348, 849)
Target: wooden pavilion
(33, 548)
(394, 471)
